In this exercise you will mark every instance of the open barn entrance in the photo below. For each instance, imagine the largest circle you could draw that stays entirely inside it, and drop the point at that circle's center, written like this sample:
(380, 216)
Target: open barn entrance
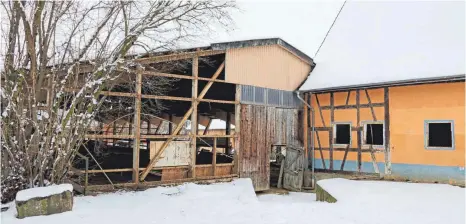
(162, 131)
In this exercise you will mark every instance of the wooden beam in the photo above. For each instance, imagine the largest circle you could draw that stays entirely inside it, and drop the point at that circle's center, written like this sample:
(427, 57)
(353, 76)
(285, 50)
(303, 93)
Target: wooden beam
(320, 111)
(174, 98)
(176, 76)
(170, 124)
(214, 158)
(305, 127)
(330, 129)
(350, 150)
(178, 56)
(137, 129)
(344, 157)
(207, 127)
(156, 157)
(358, 120)
(348, 96)
(388, 163)
(194, 117)
(228, 132)
(332, 119)
(370, 105)
(320, 150)
(109, 136)
(343, 107)
(236, 157)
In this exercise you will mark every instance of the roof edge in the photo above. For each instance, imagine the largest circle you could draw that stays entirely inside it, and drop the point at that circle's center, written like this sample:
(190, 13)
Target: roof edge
(439, 79)
(261, 42)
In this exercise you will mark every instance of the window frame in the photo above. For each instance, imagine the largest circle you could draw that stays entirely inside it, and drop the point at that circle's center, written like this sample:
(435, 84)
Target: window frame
(426, 135)
(334, 134)
(363, 136)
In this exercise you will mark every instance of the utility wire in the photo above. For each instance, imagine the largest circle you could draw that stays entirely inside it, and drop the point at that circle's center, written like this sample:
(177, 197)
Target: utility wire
(330, 29)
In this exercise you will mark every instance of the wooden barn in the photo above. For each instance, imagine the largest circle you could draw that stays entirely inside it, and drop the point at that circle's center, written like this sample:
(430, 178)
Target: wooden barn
(247, 84)
(388, 94)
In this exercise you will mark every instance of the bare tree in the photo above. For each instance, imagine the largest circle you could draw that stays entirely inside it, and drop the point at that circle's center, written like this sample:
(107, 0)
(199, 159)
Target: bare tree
(57, 58)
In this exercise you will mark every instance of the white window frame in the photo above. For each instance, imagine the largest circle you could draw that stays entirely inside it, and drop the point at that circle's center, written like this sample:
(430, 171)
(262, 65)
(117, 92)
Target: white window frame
(426, 134)
(363, 136)
(334, 131)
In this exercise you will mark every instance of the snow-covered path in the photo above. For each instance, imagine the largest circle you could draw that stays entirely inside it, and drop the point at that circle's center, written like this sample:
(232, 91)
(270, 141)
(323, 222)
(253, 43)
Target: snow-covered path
(227, 203)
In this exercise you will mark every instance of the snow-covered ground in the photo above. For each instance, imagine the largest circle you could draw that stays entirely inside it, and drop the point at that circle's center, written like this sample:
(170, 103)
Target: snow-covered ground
(358, 202)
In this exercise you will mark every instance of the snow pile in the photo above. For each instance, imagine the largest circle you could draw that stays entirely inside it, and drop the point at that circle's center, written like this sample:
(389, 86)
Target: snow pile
(359, 202)
(40, 192)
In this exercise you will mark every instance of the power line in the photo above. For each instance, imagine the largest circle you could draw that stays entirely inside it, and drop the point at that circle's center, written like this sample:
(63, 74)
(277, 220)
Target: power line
(330, 28)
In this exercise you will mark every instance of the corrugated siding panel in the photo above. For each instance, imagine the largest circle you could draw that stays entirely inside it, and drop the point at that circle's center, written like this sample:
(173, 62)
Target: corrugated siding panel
(265, 66)
(270, 97)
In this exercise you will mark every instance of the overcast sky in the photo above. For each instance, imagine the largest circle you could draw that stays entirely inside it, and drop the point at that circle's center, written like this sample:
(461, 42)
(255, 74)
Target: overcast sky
(302, 24)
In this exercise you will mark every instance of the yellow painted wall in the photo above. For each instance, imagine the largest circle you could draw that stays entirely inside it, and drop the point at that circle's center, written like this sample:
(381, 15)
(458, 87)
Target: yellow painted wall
(270, 66)
(410, 106)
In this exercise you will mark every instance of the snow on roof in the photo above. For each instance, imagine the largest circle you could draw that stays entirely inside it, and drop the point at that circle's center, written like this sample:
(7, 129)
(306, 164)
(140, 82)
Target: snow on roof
(40, 192)
(216, 124)
(383, 42)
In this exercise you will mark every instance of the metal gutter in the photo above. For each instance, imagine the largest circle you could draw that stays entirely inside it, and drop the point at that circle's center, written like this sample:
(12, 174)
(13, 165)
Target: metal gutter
(312, 137)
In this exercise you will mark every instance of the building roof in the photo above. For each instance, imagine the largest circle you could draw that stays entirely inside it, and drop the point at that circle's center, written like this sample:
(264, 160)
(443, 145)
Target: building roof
(262, 42)
(385, 43)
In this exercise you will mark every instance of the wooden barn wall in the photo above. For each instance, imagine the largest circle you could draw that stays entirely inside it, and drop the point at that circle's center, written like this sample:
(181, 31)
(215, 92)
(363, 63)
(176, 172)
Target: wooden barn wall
(262, 127)
(269, 66)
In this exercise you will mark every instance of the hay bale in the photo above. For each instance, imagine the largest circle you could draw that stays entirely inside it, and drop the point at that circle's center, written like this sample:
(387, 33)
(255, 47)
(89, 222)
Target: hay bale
(323, 195)
(44, 200)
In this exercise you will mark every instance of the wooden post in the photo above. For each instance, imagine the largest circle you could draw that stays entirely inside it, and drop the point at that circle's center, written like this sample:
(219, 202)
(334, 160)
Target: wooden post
(195, 67)
(137, 128)
(114, 132)
(236, 156)
(358, 119)
(305, 127)
(214, 158)
(157, 155)
(170, 124)
(207, 127)
(388, 163)
(227, 132)
(332, 119)
(148, 127)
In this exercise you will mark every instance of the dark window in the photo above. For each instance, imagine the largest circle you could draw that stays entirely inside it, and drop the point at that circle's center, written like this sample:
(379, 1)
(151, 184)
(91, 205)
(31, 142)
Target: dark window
(343, 133)
(440, 135)
(374, 134)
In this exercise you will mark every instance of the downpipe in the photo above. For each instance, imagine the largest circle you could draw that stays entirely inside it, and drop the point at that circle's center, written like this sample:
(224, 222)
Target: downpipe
(312, 138)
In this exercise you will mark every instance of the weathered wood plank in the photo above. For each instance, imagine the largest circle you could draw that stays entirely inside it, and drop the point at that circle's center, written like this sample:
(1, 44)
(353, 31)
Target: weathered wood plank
(332, 119)
(370, 105)
(347, 97)
(344, 157)
(320, 150)
(320, 110)
(388, 163)
(137, 128)
(344, 107)
(214, 158)
(194, 115)
(358, 120)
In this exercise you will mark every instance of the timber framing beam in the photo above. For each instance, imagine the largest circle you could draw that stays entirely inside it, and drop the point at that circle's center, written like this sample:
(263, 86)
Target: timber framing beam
(175, 132)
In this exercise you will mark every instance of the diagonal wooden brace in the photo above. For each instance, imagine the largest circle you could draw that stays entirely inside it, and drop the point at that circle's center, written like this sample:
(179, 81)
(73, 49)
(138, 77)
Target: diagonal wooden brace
(157, 155)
